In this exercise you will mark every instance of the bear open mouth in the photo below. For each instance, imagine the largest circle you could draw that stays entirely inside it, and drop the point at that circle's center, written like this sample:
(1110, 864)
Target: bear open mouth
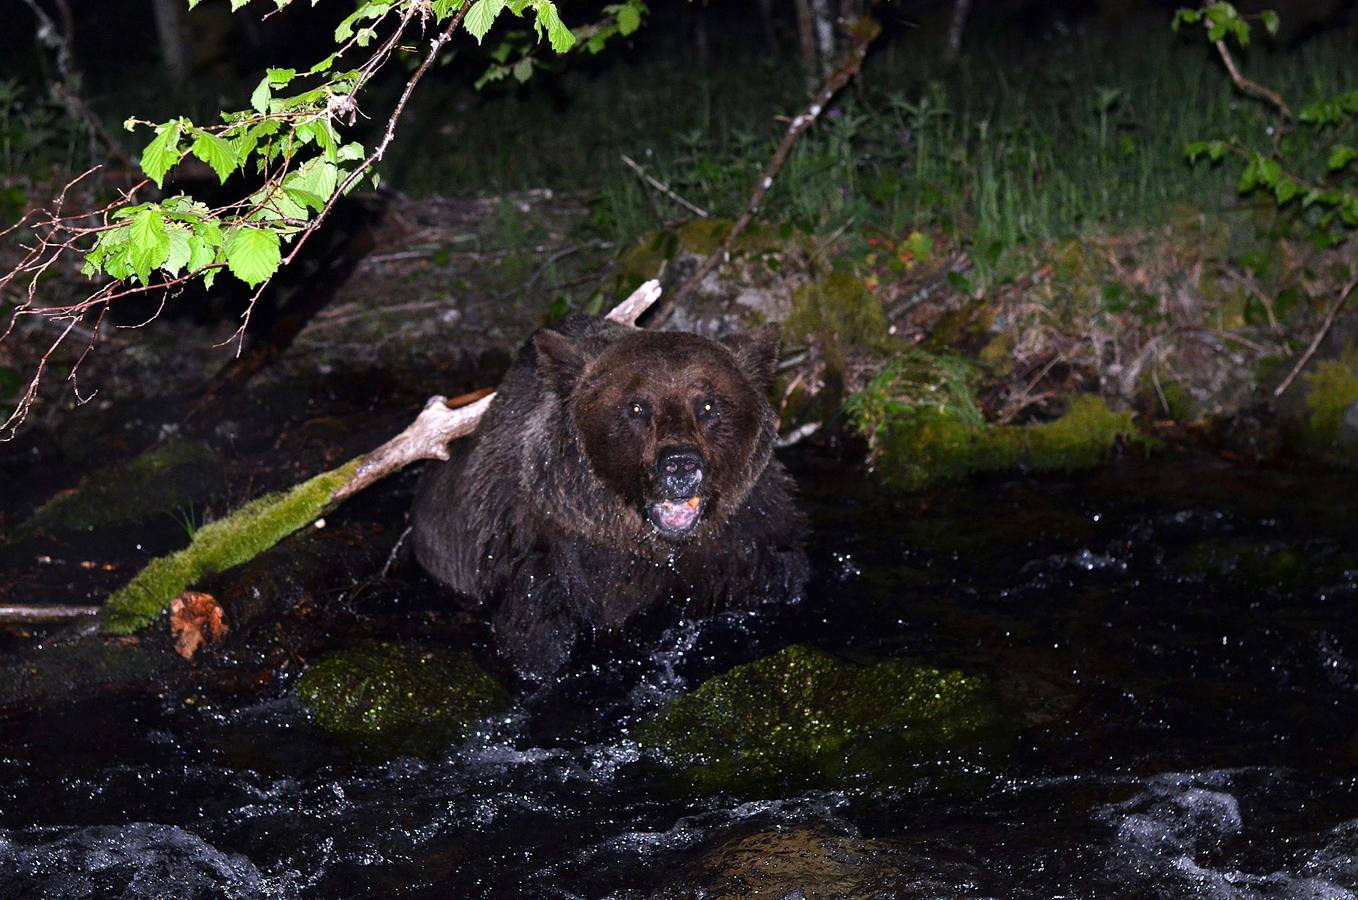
(675, 518)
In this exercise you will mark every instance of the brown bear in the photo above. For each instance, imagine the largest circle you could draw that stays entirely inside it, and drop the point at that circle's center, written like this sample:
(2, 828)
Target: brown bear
(618, 475)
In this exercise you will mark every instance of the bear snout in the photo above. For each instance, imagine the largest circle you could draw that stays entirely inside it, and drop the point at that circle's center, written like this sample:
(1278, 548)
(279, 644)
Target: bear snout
(679, 472)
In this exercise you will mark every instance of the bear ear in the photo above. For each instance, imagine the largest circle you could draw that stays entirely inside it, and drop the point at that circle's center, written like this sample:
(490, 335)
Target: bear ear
(757, 353)
(561, 361)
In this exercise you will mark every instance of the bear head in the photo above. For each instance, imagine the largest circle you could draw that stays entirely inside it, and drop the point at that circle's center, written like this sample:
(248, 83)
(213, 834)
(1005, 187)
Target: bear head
(676, 426)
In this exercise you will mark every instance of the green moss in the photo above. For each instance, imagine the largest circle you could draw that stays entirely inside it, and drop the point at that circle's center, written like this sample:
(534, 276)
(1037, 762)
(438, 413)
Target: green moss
(838, 313)
(1331, 389)
(928, 445)
(702, 237)
(388, 697)
(218, 546)
(644, 259)
(801, 716)
(163, 479)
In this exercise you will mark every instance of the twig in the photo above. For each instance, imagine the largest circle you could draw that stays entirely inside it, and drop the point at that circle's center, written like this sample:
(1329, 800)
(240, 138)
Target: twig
(662, 187)
(437, 424)
(26, 613)
(1253, 88)
(1320, 336)
(863, 33)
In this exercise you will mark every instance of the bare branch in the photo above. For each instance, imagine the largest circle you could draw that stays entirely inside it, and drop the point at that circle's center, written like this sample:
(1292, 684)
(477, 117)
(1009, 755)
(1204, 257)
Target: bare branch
(663, 188)
(1273, 98)
(1315, 341)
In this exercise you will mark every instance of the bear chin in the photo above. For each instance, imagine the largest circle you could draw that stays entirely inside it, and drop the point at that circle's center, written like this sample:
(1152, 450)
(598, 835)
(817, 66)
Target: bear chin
(676, 519)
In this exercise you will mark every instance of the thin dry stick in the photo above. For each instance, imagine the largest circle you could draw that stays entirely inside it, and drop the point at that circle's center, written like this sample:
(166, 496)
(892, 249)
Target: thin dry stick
(662, 187)
(1320, 336)
(437, 424)
(863, 34)
(23, 613)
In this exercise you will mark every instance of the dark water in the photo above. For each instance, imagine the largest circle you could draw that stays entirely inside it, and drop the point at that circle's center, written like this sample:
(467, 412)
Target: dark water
(1177, 640)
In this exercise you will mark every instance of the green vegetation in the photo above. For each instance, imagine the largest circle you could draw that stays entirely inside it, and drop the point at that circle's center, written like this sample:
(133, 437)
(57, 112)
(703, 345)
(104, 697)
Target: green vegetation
(392, 698)
(1331, 391)
(924, 427)
(1007, 149)
(802, 716)
(218, 546)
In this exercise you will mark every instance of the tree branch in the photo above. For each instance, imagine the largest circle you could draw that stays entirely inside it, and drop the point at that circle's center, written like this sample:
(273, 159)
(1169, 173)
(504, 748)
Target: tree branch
(1315, 341)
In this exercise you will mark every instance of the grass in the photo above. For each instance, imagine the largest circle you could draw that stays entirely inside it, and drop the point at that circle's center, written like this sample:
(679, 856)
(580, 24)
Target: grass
(1040, 142)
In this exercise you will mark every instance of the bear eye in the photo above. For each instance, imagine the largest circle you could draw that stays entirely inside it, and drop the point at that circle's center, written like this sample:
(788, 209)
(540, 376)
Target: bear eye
(705, 409)
(638, 409)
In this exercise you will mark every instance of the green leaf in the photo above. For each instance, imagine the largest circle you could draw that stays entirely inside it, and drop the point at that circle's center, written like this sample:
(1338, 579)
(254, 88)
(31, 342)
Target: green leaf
(179, 254)
(252, 254)
(163, 152)
(318, 177)
(445, 8)
(201, 253)
(217, 153)
(1270, 20)
(481, 16)
(148, 244)
(1185, 16)
(557, 33)
(629, 20)
(1340, 157)
(523, 69)
(259, 98)
(279, 77)
(1285, 190)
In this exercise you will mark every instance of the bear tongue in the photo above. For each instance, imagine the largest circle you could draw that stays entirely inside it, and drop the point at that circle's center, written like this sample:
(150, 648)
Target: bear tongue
(677, 515)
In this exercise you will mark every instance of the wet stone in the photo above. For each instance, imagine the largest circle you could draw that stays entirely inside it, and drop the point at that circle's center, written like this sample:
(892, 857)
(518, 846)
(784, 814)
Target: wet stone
(809, 862)
(802, 716)
(394, 698)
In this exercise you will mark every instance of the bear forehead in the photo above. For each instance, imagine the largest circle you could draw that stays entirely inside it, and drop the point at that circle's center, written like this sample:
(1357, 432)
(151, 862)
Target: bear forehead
(666, 361)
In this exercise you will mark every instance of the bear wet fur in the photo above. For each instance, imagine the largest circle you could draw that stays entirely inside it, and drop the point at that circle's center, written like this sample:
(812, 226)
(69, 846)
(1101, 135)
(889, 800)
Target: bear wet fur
(619, 475)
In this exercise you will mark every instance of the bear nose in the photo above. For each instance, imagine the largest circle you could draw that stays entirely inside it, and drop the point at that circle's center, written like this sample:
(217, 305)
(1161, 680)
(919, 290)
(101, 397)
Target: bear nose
(680, 470)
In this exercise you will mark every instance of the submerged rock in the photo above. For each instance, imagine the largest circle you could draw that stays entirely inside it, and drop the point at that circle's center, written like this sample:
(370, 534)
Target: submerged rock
(807, 861)
(802, 716)
(387, 697)
(167, 479)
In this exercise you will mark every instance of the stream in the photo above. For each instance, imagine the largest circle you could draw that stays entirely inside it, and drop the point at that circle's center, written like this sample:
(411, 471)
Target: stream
(1174, 639)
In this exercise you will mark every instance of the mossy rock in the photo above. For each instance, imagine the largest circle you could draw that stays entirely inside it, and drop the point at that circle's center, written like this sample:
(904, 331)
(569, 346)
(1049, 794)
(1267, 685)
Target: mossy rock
(386, 697)
(928, 447)
(1331, 394)
(803, 717)
(167, 479)
(839, 313)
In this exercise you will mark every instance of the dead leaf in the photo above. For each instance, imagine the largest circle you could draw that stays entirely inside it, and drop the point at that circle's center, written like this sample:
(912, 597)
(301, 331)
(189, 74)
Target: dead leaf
(196, 618)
